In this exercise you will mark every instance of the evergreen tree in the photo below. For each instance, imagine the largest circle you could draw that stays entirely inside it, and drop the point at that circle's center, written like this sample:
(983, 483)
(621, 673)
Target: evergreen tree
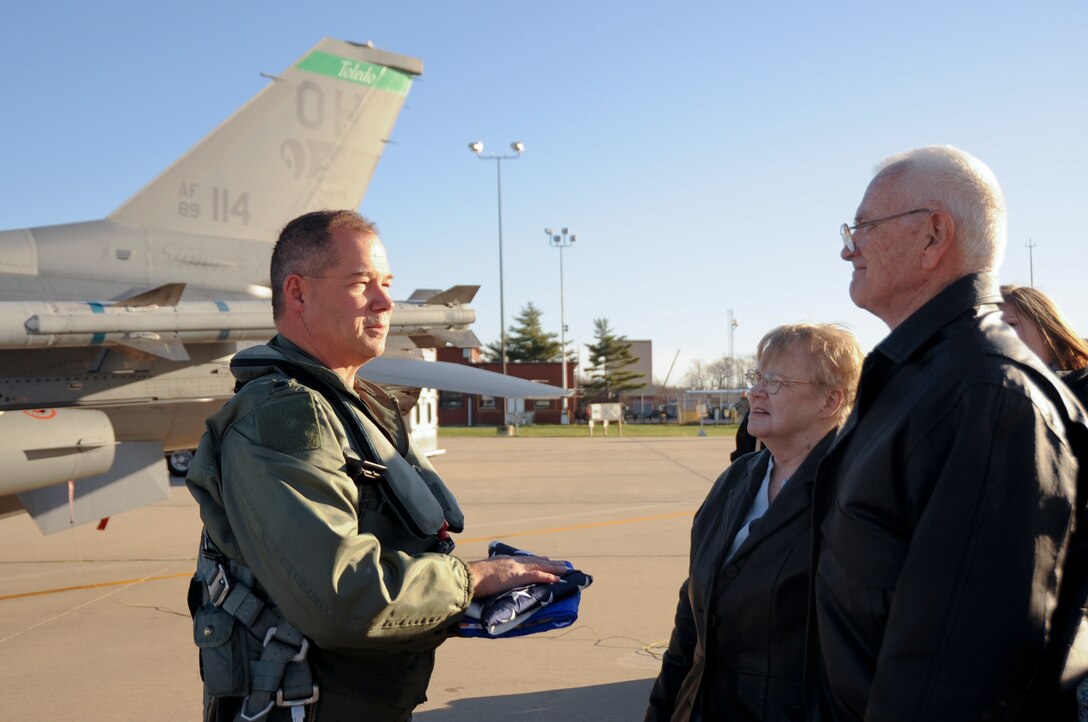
(526, 340)
(609, 358)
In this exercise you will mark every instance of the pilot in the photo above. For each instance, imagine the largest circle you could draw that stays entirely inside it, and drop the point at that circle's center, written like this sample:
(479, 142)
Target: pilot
(325, 580)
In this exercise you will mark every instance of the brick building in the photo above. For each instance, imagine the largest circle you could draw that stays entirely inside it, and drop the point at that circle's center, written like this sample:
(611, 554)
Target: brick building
(460, 409)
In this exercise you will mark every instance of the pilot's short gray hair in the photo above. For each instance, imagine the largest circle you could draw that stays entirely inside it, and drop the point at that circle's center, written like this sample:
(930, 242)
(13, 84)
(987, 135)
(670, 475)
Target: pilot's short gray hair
(305, 247)
(962, 186)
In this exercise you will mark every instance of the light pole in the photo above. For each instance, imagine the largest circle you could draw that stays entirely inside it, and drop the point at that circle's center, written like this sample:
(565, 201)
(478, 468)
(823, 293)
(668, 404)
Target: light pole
(562, 241)
(477, 147)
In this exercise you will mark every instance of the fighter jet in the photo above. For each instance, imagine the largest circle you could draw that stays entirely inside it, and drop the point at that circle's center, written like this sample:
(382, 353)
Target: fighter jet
(116, 335)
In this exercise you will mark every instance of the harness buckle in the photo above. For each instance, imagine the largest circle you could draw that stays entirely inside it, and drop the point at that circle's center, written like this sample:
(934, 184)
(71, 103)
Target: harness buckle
(281, 702)
(257, 717)
(303, 649)
(445, 541)
(216, 594)
(372, 470)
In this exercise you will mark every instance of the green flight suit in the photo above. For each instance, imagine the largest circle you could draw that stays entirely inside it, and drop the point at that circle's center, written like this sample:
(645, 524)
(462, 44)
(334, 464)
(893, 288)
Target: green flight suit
(272, 483)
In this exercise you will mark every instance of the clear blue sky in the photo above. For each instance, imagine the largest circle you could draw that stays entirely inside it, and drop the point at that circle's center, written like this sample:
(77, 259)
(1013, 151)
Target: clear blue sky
(704, 153)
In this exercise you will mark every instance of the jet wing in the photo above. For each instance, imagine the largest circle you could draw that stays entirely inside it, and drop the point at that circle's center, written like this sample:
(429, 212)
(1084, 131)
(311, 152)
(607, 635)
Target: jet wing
(455, 377)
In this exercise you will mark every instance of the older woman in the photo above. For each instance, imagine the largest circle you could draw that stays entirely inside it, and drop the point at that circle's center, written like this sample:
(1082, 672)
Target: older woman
(1043, 329)
(737, 647)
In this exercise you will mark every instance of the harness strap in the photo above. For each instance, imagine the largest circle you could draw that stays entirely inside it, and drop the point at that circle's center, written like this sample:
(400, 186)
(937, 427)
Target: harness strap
(281, 677)
(245, 606)
(416, 505)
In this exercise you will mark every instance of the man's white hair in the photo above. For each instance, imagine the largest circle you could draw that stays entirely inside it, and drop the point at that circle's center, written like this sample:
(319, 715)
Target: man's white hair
(962, 186)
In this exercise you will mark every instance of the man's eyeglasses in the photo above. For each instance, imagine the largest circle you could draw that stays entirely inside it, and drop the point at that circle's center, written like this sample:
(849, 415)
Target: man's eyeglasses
(847, 231)
(771, 381)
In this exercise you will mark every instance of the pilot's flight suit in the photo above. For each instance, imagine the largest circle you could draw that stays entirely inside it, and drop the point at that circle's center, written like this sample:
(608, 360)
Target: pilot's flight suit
(290, 506)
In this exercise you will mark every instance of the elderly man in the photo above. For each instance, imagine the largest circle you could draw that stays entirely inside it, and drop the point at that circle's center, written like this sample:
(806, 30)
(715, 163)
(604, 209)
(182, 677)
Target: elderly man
(945, 508)
(325, 582)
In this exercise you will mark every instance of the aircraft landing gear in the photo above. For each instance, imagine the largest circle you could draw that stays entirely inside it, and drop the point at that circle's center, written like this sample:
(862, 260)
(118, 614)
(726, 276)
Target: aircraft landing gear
(178, 461)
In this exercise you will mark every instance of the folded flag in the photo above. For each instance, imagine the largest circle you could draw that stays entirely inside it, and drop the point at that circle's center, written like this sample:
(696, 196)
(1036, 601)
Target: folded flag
(525, 610)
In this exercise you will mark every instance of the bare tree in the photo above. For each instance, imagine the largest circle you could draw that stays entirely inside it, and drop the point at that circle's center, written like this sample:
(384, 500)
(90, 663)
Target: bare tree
(696, 376)
(740, 365)
(718, 373)
(723, 375)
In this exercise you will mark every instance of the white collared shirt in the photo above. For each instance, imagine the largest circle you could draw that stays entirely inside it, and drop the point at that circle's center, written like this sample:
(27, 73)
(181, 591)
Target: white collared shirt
(760, 504)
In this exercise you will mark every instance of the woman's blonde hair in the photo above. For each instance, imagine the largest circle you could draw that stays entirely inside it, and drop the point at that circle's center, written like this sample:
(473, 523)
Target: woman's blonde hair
(1068, 350)
(835, 353)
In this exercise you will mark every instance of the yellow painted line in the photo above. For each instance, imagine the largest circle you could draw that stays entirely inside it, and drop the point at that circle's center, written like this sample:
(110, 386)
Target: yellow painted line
(554, 530)
(119, 583)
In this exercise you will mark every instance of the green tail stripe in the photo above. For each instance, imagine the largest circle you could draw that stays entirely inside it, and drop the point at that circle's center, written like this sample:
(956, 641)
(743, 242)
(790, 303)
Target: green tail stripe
(357, 71)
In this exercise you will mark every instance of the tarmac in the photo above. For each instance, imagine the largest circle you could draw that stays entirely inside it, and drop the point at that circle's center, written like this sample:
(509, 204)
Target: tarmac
(93, 624)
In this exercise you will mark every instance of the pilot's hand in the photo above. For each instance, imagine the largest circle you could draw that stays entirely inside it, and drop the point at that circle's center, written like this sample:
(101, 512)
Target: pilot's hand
(496, 575)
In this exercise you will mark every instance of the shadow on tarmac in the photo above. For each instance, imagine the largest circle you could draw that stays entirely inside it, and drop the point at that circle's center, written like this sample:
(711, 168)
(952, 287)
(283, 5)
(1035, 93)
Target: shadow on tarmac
(602, 703)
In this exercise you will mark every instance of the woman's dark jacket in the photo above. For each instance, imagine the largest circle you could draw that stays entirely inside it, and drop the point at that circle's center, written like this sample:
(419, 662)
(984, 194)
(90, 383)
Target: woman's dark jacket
(746, 443)
(737, 646)
(1077, 381)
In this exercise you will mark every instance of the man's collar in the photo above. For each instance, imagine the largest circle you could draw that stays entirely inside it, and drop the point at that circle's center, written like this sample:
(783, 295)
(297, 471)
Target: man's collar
(807, 471)
(294, 353)
(958, 297)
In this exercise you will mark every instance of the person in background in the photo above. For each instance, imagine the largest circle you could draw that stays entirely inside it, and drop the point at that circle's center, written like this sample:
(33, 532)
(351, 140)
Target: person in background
(745, 443)
(949, 510)
(737, 646)
(1044, 329)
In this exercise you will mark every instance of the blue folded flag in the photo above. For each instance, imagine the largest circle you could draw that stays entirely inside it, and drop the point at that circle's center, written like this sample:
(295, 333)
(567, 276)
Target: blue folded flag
(525, 610)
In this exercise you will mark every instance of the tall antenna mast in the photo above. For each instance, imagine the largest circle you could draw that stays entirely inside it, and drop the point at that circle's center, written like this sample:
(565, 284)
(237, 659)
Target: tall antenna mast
(1031, 261)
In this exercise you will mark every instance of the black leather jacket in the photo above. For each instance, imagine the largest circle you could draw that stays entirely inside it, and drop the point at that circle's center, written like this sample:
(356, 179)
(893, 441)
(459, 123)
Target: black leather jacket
(1077, 380)
(946, 508)
(737, 646)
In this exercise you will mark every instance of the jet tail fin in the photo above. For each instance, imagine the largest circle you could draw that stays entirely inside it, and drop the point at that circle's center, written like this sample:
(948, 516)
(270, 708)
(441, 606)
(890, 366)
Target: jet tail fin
(452, 296)
(310, 140)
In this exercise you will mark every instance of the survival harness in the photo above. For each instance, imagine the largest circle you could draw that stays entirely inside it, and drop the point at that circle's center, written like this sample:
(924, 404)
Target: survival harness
(224, 594)
(426, 509)
(281, 677)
